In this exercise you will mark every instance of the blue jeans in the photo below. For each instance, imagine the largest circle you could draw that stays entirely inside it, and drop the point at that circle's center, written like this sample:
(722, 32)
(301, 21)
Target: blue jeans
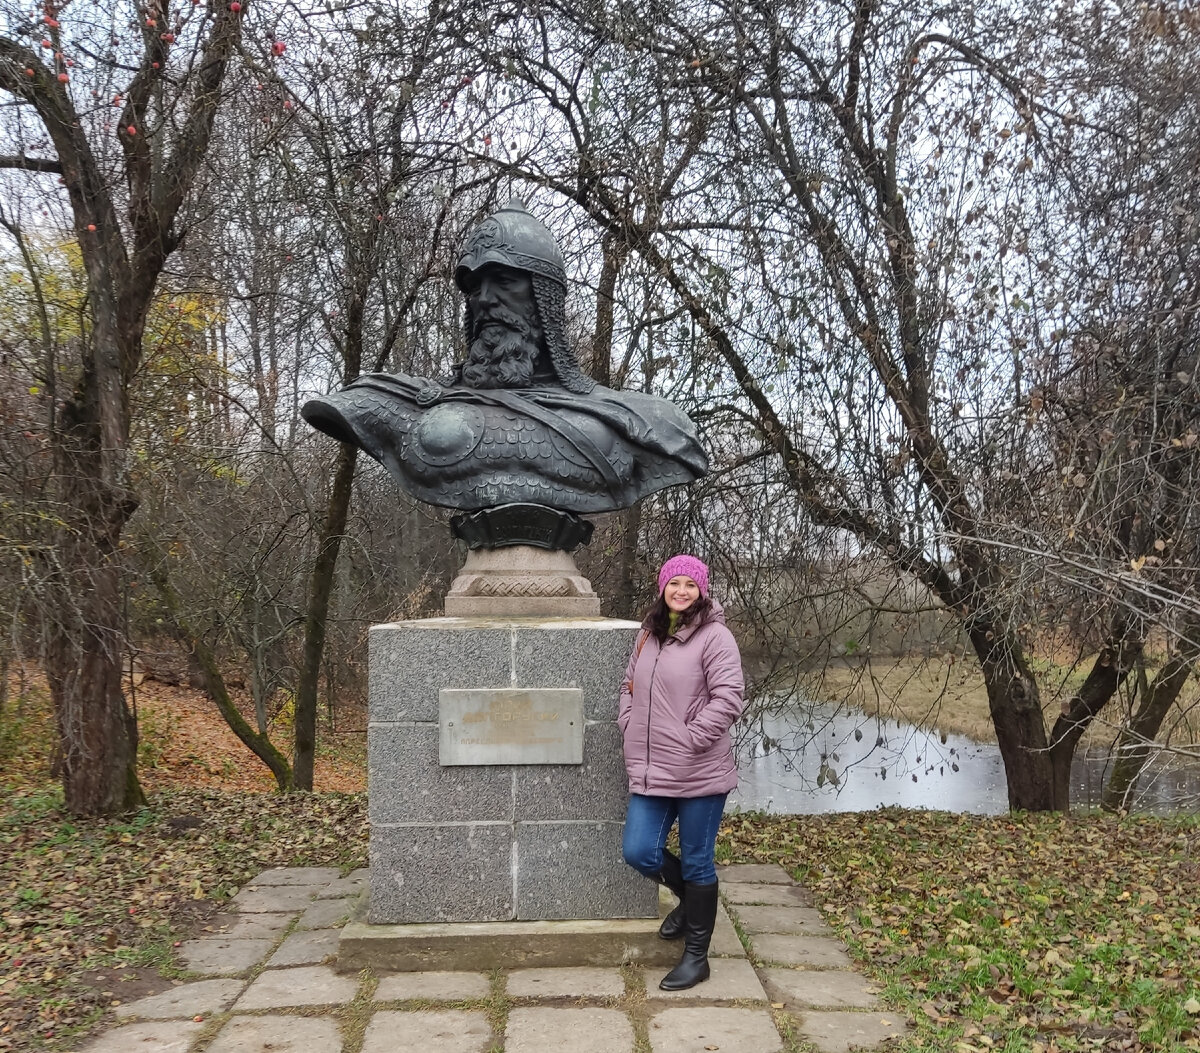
(648, 821)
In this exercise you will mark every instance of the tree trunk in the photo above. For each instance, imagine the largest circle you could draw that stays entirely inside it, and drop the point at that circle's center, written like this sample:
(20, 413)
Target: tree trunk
(628, 521)
(615, 253)
(1015, 706)
(260, 745)
(98, 732)
(1107, 674)
(630, 577)
(320, 590)
(1135, 741)
(214, 683)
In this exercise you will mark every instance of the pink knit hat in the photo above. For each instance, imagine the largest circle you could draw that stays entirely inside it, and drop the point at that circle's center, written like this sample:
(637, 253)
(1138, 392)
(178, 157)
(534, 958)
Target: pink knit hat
(687, 565)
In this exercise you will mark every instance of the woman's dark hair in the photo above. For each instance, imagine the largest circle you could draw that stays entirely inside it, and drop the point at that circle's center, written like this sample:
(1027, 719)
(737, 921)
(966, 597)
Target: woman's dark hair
(658, 618)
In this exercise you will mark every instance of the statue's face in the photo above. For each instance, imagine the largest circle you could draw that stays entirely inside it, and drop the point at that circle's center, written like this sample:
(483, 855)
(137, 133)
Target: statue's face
(499, 295)
(506, 336)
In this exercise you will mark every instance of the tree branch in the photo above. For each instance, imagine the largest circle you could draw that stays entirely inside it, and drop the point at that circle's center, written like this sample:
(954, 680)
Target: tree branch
(31, 164)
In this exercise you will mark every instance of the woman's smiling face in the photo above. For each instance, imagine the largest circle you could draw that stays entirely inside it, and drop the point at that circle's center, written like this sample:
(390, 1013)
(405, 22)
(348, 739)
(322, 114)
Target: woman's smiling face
(681, 592)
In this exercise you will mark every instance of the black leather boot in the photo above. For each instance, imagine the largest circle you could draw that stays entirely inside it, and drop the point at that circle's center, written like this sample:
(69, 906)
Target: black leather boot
(701, 904)
(671, 875)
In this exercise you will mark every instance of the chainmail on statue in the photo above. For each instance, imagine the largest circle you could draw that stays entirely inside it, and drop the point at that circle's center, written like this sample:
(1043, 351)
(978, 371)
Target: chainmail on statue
(556, 439)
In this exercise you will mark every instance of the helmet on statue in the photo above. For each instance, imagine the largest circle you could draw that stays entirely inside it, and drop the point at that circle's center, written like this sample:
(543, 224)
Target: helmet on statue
(512, 238)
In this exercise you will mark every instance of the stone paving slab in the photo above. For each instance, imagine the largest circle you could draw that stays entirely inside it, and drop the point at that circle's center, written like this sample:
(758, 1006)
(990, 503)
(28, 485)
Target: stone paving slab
(568, 1031)
(580, 982)
(353, 884)
(823, 988)
(768, 895)
(201, 998)
(434, 986)
(775, 913)
(278, 1034)
(160, 1036)
(428, 1031)
(249, 926)
(306, 948)
(273, 899)
(796, 921)
(217, 956)
(731, 979)
(295, 876)
(836, 1032)
(813, 951)
(306, 985)
(725, 941)
(713, 1027)
(756, 873)
(326, 914)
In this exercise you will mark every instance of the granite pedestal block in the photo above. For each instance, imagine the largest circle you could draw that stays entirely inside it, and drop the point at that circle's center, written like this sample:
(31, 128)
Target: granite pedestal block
(483, 842)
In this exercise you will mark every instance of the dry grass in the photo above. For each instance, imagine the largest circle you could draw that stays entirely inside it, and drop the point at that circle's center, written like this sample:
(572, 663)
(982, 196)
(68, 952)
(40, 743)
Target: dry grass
(946, 693)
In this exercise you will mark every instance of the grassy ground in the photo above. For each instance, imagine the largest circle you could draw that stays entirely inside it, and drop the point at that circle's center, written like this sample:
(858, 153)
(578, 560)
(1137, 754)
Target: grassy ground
(1017, 933)
(1030, 933)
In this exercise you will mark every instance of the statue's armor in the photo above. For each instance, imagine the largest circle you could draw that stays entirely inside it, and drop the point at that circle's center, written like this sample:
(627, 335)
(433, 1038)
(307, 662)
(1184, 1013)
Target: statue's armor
(491, 455)
(471, 449)
(567, 443)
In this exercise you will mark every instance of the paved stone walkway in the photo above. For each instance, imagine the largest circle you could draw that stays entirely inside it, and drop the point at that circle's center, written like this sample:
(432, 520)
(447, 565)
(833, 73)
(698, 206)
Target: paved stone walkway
(265, 984)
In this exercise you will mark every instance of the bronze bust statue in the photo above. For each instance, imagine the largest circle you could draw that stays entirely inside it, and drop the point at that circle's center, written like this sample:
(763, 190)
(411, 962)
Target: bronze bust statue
(516, 422)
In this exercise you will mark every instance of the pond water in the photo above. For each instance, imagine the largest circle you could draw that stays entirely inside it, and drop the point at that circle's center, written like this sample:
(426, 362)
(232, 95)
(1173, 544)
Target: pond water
(827, 759)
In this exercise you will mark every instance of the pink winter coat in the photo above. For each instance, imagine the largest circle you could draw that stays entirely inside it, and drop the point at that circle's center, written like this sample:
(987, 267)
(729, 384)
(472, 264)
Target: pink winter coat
(686, 695)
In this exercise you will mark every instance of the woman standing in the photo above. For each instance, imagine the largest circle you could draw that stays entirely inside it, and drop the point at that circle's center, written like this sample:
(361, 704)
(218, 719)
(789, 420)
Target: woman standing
(681, 694)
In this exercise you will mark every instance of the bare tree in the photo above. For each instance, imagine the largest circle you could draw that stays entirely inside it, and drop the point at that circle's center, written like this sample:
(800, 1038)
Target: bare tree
(854, 194)
(1116, 374)
(126, 208)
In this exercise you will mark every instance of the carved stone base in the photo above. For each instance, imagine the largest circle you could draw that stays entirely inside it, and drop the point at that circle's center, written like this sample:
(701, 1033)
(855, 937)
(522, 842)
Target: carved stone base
(520, 581)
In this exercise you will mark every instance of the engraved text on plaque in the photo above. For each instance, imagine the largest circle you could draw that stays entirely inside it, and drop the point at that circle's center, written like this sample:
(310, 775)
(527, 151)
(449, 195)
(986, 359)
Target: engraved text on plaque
(511, 726)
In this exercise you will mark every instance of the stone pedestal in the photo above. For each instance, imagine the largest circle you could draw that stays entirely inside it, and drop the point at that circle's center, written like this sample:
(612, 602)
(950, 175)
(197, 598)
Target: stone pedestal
(521, 581)
(480, 842)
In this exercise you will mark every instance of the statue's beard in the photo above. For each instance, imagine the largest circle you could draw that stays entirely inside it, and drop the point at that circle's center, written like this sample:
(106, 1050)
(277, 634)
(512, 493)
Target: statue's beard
(502, 355)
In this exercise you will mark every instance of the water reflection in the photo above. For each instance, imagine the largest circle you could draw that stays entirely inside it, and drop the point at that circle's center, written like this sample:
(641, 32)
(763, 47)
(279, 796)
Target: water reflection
(826, 759)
